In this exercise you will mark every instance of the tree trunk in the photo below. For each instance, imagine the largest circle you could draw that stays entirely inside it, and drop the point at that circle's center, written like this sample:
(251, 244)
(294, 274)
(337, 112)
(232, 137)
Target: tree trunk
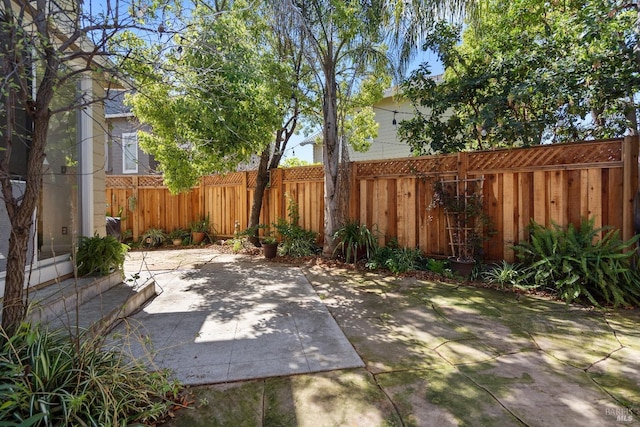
(268, 162)
(631, 115)
(20, 210)
(262, 179)
(21, 218)
(331, 154)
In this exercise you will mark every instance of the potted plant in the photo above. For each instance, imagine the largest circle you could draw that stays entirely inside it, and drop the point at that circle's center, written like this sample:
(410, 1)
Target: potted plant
(269, 245)
(355, 241)
(100, 255)
(199, 229)
(467, 223)
(177, 235)
(153, 237)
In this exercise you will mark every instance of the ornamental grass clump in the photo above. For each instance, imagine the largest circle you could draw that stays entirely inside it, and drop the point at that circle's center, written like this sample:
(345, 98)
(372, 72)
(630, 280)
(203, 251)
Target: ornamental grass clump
(50, 379)
(578, 264)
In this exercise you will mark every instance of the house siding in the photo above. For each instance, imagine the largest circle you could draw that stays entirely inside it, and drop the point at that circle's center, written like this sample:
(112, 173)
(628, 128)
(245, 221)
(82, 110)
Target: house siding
(387, 145)
(99, 138)
(117, 127)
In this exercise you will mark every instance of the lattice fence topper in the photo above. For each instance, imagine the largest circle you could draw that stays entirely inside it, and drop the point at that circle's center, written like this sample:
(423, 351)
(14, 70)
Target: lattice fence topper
(234, 178)
(118, 181)
(408, 166)
(549, 155)
(150, 181)
(252, 179)
(314, 173)
(274, 178)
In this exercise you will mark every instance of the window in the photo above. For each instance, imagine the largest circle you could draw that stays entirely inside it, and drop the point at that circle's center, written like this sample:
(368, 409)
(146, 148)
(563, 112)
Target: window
(129, 153)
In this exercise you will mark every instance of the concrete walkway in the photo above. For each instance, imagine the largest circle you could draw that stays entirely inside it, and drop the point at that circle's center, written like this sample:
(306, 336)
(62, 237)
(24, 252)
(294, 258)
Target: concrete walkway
(435, 354)
(221, 318)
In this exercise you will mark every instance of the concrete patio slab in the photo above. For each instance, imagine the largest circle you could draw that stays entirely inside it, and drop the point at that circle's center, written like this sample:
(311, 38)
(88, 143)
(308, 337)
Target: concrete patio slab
(222, 318)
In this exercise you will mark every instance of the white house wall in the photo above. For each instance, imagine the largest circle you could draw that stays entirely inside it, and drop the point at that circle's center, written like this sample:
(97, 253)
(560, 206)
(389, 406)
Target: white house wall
(387, 145)
(99, 162)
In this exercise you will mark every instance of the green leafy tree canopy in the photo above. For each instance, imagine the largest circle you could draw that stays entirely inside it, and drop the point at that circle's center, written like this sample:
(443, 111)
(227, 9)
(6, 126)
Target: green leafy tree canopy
(211, 103)
(526, 73)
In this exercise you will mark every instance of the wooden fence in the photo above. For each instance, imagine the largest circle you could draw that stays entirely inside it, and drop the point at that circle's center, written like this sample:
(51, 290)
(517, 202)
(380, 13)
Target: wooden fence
(552, 183)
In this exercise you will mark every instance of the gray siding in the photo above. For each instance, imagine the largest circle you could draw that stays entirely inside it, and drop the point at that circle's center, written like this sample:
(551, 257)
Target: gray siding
(118, 126)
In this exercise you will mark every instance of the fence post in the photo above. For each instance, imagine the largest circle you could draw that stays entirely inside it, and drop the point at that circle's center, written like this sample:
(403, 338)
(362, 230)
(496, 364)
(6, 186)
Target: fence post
(135, 226)
(354, 192)
(244, 206)
(280, 202)
(463, 166)
(630, 183)
(201, 200)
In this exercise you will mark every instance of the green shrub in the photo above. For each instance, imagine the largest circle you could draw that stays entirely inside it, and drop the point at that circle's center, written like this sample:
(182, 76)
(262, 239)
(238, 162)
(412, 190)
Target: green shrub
(295, 241)
(577, 264)
(355, 240)
(437, 266)
(100, 255)
(48, 379)
(395, 259)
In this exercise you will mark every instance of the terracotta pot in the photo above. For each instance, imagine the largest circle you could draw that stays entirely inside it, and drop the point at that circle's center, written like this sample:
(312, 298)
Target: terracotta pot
(177, 242)
(197, 237)
(462, 267)
(270, 250)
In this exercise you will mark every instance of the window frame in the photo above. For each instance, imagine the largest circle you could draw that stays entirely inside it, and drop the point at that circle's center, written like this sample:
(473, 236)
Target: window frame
(129, 138)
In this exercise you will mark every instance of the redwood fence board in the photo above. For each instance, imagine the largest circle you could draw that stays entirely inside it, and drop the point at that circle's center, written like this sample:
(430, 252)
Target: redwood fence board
(548, 184)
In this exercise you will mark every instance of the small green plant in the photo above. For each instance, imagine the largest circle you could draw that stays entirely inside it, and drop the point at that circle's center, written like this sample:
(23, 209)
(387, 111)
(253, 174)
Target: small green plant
(269, 240)
(202, 225)
(355, 241)
(178, 233)
(579, 265)
(100, 255)
(153, 237)
(127, 235)
(236, 245)
(396, 259)
(435, 265)
(295, 240)
(50, 379)
(504, 274)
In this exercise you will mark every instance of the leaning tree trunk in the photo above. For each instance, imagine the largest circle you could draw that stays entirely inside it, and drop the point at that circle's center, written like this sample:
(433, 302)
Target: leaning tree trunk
(20, 211)
(262, 179)
(267, 162)
(331, 154)
(21, 218)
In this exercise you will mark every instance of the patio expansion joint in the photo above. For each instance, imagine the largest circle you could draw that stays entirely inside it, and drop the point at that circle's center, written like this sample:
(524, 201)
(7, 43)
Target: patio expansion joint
(299, 339)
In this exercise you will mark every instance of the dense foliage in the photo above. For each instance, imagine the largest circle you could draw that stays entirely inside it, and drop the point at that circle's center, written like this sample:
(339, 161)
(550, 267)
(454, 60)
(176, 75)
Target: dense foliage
(211, 103)
(295, 241)
(100, 255)
(578, 264)
(527, 72)
(398, 260)
(47, 379)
